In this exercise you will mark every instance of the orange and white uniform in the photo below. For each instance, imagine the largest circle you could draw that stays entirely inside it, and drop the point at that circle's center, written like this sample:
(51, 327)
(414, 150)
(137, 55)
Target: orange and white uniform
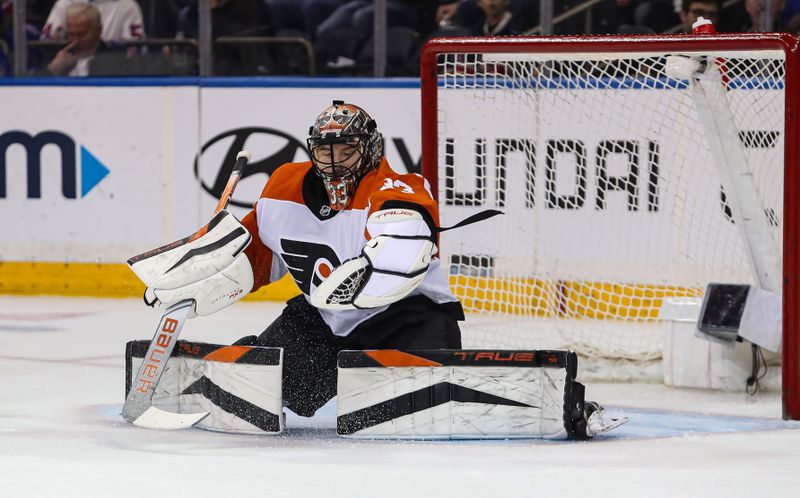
(295, 230)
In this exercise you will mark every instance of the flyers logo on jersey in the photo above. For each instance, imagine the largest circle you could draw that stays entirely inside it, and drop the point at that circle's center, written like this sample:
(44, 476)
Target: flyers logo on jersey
(309, 263)
(389, 184)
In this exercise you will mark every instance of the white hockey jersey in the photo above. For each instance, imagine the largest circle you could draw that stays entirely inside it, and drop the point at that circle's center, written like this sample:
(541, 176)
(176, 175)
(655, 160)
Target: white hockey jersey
(295, 230)
(121, 19)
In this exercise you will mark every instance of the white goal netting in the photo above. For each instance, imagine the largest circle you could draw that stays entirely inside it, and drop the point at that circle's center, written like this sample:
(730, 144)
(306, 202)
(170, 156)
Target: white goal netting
(608, 169)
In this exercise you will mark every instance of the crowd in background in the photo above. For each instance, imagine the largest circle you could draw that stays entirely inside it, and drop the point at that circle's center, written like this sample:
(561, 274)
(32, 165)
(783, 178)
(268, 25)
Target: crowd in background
(275, 37)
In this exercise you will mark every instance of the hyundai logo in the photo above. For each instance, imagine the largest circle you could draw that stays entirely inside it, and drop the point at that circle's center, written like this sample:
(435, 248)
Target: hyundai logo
(270, 149)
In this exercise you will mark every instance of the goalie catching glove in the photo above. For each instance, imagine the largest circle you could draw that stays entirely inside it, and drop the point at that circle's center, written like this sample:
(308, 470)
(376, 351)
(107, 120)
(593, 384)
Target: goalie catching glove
(209, 267)
(391, 265)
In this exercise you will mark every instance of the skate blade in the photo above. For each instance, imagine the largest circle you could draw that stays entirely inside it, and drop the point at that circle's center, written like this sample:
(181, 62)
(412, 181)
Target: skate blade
(606, 423)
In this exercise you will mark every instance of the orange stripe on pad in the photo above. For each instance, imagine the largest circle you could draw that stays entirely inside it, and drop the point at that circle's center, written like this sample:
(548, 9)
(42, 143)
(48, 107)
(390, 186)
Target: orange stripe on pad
(395, 358)
(228, 354)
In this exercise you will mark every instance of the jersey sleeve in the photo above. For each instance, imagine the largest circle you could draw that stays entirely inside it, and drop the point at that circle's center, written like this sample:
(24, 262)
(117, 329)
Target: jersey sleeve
(267, 266)
(54, 26)
(133, 22)
(409, 191)
(260, 256)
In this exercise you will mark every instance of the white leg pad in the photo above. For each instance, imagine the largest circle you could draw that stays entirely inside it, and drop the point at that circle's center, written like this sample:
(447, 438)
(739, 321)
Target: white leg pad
(486, 398)
(240, 386)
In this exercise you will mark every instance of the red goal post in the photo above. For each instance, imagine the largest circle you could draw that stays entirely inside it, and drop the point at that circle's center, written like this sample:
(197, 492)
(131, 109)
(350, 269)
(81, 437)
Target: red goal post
(486, 67)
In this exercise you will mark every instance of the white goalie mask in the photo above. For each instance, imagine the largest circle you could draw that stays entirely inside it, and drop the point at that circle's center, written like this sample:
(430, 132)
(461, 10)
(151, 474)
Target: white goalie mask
(345, 144)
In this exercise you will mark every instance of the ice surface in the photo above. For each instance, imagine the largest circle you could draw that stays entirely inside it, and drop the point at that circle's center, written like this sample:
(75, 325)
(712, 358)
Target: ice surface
(61, 392)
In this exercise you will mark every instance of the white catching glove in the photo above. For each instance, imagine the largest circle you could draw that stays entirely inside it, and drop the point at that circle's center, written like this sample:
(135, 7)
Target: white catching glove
(392, 264)
(210, 268)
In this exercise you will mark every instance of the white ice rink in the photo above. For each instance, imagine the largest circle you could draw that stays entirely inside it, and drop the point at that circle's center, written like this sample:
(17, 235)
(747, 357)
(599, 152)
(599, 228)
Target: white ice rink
(61, 391)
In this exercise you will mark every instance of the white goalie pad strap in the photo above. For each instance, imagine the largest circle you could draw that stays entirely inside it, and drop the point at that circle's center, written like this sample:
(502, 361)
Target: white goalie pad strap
(498, 398)
(240, 386)
(195, 260)
(213, 293)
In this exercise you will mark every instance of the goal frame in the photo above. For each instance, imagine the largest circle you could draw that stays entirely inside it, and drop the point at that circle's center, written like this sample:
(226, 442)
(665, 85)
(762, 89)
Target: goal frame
(789, 44)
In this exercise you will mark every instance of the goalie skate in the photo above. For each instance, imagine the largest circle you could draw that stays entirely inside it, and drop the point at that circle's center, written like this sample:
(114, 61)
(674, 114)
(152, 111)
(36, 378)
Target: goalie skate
(598, 419)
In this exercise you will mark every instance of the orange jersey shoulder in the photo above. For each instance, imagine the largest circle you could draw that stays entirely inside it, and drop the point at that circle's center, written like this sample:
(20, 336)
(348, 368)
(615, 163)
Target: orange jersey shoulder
(286, 182)
(385, 185)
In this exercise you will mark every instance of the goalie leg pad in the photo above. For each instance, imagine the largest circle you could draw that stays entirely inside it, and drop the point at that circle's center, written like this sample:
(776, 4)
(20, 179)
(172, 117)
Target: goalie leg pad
(457, 394)
(239, 385)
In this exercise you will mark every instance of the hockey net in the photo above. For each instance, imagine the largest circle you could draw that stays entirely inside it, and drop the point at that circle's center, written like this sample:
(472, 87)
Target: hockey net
(606, 164)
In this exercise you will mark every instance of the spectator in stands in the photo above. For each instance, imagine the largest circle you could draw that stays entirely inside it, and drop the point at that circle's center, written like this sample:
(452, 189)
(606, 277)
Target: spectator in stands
(471, 16)
(233, 18)
(161, 16)
(419, 15)
(446, 13)
(790, 16)
(122, 20)
(228, 18)
(316, 11)
(498, 20)
(616, 16)
(85, 53)
(692, 9)
(301, 15)
(604, 17)
(657, 15)
(753, 8)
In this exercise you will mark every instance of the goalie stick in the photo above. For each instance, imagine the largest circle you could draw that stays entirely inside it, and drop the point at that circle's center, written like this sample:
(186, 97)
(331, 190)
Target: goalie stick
(138, 408)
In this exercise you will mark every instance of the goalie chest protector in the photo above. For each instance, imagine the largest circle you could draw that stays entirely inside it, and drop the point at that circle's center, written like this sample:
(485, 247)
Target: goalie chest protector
(309, 240)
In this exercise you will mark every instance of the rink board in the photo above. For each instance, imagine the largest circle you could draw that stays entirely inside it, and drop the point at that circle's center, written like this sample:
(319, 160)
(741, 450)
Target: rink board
(83, 189)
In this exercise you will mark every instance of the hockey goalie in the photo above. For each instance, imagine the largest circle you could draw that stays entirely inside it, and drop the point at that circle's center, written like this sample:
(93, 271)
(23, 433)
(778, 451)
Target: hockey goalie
(375, 314)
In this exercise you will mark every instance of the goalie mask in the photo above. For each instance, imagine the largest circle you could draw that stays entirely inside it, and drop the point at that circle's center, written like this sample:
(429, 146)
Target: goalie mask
(345, 144)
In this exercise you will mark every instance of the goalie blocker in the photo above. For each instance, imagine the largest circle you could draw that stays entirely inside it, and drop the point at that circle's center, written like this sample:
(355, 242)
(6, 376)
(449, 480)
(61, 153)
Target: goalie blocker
(448, 394)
